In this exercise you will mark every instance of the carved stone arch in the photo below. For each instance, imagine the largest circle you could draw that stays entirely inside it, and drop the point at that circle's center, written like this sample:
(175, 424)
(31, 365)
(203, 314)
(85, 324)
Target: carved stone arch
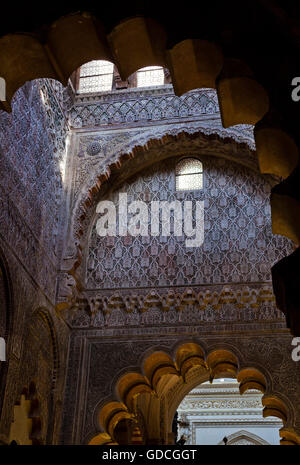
(282, 403)
(254, 365)
(244, 437)
(268, 389)
(185, 389)
(114, 396)
(46, 316)
(152, 350)
(188, 369)
(138, 369)
(43, 368)
(194, 340)
(220, 360)
(163, 145)
(121, 374)
(151, 143)
(250, 375)
(246, 89)
(227, 346)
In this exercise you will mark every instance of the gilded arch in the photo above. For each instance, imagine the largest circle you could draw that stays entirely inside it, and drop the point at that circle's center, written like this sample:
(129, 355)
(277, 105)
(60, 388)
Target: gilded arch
(159, 374)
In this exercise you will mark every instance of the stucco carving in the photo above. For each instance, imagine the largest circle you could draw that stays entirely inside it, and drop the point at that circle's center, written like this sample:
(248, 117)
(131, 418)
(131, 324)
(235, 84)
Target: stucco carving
(43, 200)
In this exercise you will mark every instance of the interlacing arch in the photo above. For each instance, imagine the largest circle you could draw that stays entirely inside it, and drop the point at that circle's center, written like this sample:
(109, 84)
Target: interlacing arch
(159, 373)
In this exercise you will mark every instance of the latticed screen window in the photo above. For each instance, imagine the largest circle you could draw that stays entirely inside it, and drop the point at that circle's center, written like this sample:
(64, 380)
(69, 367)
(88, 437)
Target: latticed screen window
(150, 76)
(189, 174)
(96, 76)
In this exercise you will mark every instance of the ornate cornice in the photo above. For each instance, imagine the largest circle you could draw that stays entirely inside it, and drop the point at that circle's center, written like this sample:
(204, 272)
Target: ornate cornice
(131, 307)
(132, 107)
(214, 403)
(120, 94)
(141, 106)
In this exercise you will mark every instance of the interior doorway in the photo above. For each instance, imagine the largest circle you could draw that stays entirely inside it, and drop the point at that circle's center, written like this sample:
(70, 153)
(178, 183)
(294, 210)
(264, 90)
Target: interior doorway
(216, 413)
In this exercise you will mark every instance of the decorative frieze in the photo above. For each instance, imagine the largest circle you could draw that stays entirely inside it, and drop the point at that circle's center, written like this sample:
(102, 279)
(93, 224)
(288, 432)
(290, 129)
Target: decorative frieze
(135, 105)
(218, 404)
(218, 304)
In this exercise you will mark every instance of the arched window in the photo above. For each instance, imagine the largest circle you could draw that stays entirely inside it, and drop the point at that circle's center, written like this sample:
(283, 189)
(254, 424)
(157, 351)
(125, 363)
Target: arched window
(96, 76)
(189, 174)
(150, 76)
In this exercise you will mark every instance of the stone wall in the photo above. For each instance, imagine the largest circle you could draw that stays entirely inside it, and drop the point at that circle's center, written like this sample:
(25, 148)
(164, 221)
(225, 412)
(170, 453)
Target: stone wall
(99, 358)
(32, 147)
(135, 296)
(44, 189)
(238, 247)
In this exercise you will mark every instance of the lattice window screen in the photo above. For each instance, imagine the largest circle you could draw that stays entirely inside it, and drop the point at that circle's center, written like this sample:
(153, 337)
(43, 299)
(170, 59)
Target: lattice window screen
(96, 76)
(150, 76)
(189, 174)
